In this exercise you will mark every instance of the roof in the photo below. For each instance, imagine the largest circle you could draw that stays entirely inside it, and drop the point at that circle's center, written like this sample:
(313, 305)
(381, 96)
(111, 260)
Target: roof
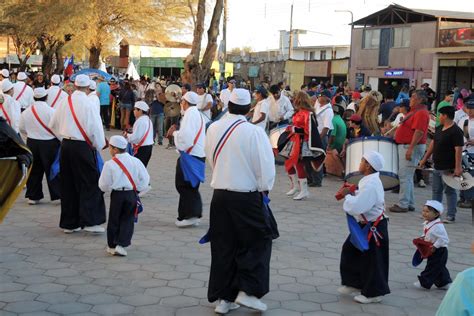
(153, 43)
(321, 46)
(397, 14)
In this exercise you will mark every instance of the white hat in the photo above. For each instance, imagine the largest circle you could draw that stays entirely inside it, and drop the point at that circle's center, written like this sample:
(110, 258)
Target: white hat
(438, 206)
(92, 85)
(118, 141)
(240, 96)
(7, 85)
(55, 79)
(142, 106)
(374, 159)
(82, 81)
(5, 73)
(21, 76)
(191, 97)
(40, 93)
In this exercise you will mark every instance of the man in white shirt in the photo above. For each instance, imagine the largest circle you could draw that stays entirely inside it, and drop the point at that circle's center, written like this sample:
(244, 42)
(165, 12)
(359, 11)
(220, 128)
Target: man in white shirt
(284, 107)
(189, 139)
(43, 144)
(4, 74)
(55, 93)
(22, 92)
(82, 202)
(225, 93)
(93, 96)
(261, 109)
(205, 101)
(141, 137)
(241, 225)
(10, 109)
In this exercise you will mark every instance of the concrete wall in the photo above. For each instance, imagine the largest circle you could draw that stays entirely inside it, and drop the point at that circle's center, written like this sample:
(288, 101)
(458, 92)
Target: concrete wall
(416, 66)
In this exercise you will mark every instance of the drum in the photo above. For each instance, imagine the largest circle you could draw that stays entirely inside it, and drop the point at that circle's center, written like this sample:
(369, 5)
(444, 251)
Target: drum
(172, 109)
(275, 134)
(383, 145)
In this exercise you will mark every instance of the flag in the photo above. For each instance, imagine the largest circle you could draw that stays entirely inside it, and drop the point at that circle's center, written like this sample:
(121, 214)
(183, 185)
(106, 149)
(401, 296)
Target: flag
(69, 69)
(66, 62)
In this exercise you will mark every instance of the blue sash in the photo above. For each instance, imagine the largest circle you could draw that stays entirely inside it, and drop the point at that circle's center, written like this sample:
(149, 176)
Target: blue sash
(193, 168)
(358, 235)
(56, 166)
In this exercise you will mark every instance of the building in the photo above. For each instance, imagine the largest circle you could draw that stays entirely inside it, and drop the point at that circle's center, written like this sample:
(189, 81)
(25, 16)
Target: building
(399, 45)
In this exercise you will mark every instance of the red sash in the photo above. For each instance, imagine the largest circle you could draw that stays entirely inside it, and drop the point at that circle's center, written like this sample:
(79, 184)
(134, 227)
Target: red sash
(21, 92)
(6, 114)
(40, 121)
(83, 133)
(426, 230)
(137, 146)
(56, 99)
(373, 229)
(196, 138)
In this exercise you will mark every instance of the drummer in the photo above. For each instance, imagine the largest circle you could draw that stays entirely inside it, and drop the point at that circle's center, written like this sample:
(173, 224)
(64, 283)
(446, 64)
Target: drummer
(285, 108)
(446, 149)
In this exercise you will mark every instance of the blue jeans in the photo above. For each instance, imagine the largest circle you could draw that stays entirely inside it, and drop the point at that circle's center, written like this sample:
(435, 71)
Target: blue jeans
(406, 171)
(158, 120)
(439, 187)
(319, 175)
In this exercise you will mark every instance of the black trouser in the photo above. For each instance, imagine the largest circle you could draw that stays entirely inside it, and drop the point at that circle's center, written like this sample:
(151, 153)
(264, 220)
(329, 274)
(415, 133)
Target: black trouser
(168, 122)
(105, 115)
(144, 154)
(241, 245)
(121, 218)
(44, 153)
(190, 203)
(367, 270)
(82, 202)
(435, 271)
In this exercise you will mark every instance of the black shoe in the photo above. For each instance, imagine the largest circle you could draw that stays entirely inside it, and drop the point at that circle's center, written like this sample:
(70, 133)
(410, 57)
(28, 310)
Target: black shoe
(411, 209)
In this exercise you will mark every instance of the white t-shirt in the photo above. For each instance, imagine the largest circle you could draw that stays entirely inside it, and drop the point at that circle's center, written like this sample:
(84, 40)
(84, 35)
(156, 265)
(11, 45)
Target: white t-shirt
(324, 116)
(203, 101)
(261, 107)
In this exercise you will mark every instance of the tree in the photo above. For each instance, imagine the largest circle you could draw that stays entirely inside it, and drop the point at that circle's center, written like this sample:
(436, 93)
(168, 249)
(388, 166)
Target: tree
(195, 70)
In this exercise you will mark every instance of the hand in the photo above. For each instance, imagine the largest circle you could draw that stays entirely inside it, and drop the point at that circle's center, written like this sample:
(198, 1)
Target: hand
(345, 191)
(281, 118)
(470, 142)
(171, 130)
(422, 163)
(458, 172)
(408, 154)
(433, 249)
(343, 153)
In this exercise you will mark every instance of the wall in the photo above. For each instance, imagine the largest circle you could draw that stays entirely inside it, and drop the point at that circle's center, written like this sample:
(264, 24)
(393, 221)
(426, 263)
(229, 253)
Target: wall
(295, 74)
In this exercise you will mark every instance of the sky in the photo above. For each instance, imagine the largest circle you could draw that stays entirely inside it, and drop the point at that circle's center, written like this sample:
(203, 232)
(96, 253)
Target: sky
(256, 23)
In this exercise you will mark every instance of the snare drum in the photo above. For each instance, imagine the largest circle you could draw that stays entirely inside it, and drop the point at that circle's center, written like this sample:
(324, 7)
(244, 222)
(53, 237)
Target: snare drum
(383, 145)
(275, 134)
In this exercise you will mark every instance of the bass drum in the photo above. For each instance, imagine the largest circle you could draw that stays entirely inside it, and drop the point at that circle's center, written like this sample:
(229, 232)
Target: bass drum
(275, 133)
(383, 145)
(172, 109)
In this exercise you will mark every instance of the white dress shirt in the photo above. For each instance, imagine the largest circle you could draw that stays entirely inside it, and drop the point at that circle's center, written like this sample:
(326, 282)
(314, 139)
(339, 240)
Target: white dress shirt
(368, 200)
(53, 93)
(246, 162)
(225, 97)
(262, 106)
(459, 117)
(63, 124)
(285, 106)
(204, 101)
(324, 116)
(26, 98)
(188, 130)
(436, 233)
(95, 101)
(113, 178)
(13, 112)
(30, 125)
(140, 127)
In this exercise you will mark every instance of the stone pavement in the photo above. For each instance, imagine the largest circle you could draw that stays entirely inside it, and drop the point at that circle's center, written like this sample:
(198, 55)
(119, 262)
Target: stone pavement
(45, 272)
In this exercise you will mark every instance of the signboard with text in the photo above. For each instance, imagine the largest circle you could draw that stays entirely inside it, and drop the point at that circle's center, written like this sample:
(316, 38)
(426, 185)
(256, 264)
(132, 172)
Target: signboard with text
(456, 37)
(393, 73)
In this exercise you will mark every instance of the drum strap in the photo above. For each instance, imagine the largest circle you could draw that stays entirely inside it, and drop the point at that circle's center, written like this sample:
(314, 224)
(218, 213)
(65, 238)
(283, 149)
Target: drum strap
(188, 151)
(224, 138)
(426, 230)
(33, 109)
(21, 93)
(137, 146)
(373, 229)
(5, 114)
(56, 98)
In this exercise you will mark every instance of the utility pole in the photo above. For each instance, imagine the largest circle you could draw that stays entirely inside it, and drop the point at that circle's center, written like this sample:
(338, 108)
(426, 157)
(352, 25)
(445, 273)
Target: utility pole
(224, 41)
(291, 34)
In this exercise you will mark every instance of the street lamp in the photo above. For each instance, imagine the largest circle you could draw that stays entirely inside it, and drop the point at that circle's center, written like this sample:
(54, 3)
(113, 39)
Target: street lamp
(352, 31)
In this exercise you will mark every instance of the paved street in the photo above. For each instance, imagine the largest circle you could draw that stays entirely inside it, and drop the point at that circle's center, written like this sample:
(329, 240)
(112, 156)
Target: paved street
(45, 272)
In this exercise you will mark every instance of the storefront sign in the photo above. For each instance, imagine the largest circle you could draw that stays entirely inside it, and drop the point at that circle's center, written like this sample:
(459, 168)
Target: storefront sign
(456, 37)
(394, 73)
(359, 80)
(253, 71)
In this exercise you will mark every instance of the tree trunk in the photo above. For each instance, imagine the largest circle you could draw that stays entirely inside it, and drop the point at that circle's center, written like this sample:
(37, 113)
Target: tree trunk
(59, 62)
(23, 62)
(94, 57)
(47, 64)
(211, 48)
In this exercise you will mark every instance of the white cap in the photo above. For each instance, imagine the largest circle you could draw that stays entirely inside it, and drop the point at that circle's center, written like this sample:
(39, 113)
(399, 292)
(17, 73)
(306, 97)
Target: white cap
(21, 76)
(375, 160)
(240, 96)
(7, 85)
(436, 205)
(92, 85)
(5, 73)
(39, 93)
(118, 141)
(55, 79)
(142, 106)
(82, 81)
(191, 97)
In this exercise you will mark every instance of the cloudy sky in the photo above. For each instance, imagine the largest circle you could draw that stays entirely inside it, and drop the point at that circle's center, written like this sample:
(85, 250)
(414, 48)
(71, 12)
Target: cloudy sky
(256, 23)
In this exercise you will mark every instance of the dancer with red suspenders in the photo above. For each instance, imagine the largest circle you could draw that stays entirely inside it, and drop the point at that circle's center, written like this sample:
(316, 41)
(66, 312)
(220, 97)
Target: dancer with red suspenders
(43, 144)
(9, 108)
(142, 136)
(55, 93)
(23, 93)
(123, 175)
(76, 122)
(243, 171)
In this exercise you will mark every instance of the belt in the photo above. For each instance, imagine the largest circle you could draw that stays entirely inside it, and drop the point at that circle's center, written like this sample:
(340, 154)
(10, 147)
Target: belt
(237, 191)
(122, 189)
(72, 138)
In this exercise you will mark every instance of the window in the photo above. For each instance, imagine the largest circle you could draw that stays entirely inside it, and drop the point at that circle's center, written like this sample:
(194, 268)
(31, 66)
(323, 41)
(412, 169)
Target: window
(322, 55)
(401, 37)
(371, 39)
(311, 55)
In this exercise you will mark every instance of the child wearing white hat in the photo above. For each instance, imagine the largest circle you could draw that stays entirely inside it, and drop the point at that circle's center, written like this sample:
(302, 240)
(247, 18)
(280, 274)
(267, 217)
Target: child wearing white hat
(124, 176)
(434, 232)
